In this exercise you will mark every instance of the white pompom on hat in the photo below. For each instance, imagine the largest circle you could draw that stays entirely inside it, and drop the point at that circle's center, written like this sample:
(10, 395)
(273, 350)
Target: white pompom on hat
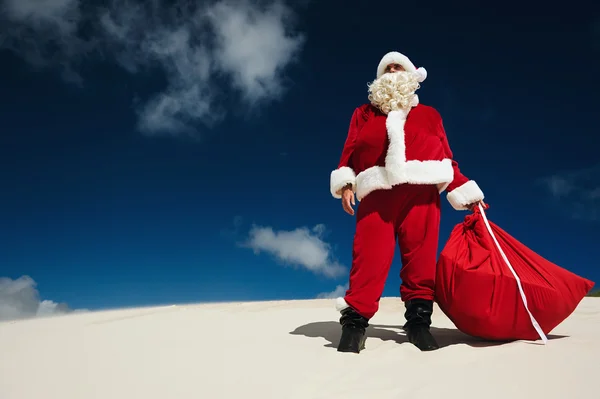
(394, 57)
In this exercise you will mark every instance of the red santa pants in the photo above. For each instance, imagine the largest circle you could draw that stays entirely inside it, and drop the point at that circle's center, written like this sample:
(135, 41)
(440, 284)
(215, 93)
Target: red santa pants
(407, 214)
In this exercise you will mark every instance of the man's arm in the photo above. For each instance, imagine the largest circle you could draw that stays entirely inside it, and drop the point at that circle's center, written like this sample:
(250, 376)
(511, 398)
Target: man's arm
(462, 191)
(344, 175)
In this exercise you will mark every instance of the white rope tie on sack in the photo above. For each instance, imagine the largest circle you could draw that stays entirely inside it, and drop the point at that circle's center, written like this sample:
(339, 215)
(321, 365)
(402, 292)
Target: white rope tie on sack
(523, 298)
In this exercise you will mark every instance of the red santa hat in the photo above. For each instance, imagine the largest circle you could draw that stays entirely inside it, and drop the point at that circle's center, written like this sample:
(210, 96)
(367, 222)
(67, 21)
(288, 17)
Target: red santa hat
(394, 57)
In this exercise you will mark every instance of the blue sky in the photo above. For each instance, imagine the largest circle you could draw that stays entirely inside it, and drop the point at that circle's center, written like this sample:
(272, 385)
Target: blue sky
(152, 156)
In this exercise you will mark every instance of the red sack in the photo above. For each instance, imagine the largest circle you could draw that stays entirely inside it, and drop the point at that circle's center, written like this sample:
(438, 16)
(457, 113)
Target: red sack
(477, 289)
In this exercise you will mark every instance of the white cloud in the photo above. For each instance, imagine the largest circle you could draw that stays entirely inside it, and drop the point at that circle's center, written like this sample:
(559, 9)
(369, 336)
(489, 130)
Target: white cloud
(20, 299)
(301, 247)
(576, 193)
(339, 291)
(204, 50)
(253, 46)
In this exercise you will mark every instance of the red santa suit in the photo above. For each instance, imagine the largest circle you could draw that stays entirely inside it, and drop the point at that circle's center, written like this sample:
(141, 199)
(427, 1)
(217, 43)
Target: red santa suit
(398, 165)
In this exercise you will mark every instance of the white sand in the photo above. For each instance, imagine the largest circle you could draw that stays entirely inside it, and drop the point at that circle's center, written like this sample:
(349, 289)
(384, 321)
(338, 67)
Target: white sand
(284, 350)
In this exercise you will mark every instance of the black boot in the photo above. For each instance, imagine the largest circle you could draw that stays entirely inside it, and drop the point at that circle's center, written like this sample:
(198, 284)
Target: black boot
(354, 327)
(418, 319)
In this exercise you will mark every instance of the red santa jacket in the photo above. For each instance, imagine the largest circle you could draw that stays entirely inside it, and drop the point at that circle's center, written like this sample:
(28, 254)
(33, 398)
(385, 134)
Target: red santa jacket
(382, 151)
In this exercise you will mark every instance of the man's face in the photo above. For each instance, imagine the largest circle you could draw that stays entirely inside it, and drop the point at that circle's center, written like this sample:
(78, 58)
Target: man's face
(391, 68)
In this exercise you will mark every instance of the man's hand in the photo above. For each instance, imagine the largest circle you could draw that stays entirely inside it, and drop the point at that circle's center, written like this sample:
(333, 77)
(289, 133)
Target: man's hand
(475, 205)
(347, 199)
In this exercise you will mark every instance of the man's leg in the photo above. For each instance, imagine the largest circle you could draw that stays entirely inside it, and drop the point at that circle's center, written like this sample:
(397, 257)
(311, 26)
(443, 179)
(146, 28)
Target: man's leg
(372, 255)
(372, 252)
(418, 233)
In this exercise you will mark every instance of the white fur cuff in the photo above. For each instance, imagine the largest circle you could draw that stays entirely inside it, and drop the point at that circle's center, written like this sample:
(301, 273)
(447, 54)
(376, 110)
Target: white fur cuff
(340, 304)
(340, 178)
(464, 195)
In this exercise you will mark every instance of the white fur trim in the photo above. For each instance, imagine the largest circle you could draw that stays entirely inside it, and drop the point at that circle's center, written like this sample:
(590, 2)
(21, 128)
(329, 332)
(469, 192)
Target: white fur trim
(340, 304)
(421, 74)
(396, 152)
(412, 172)
(466, 194)
(427, 172)
(394, 57)
(339, 178)
(371, 179)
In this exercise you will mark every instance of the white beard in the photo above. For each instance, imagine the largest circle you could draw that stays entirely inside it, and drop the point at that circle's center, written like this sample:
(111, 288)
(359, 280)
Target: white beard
(394, 91)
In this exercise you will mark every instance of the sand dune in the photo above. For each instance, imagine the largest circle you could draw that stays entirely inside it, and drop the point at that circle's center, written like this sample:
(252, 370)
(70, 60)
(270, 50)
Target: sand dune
(283, 350)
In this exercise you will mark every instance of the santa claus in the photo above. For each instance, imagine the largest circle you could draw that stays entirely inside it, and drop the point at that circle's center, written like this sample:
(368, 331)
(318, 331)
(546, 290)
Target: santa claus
(397, 161)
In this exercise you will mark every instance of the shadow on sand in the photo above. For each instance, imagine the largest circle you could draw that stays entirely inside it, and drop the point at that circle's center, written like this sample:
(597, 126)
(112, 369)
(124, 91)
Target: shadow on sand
(331, 330)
